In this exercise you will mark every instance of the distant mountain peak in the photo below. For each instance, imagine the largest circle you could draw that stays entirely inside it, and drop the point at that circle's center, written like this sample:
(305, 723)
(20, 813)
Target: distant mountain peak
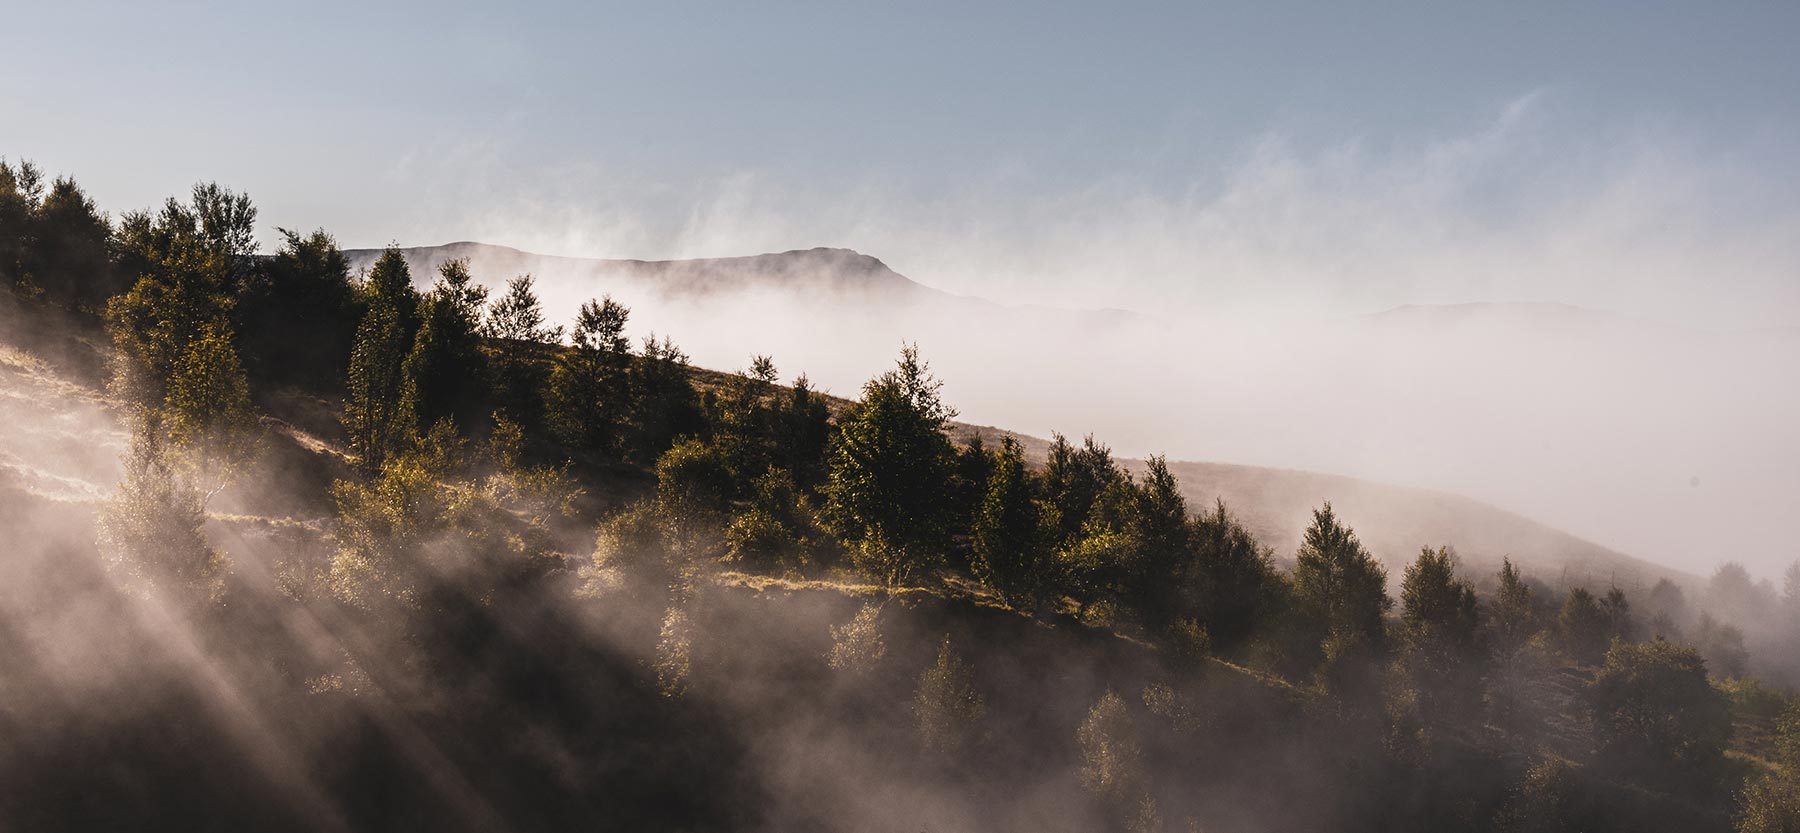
(815, 270)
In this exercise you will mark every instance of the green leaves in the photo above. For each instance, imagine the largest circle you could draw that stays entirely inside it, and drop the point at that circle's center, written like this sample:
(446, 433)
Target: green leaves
(889, 467)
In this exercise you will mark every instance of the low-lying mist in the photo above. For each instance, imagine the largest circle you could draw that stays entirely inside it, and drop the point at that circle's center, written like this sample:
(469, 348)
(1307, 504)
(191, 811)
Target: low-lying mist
(1269, 328)
(1665, 442)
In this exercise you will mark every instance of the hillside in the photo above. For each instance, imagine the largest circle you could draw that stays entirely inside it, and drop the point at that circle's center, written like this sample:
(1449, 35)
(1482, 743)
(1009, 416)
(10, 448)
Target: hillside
(466, 685)
(838, 272)
(80, 460)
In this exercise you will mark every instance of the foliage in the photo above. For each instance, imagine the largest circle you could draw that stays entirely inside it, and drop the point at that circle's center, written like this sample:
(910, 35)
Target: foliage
(1770, 804)
(1009, 549)
(947, 705)
(1583, 627)
(1074, 480)
(151, 531)
(1439, 622)
(779, 529)
(189, 259)
(1547, 800)
(298, 313)
(21, 194)
(375, 414)
(1722, 646)
(69, 256)
(429, 532)
(515, 325)
(590, 386)
(1340, 591)
(445, 371)
(857, 646)
(207, 413)
(1232, 588)
(1655, 710)
(1512, 616)
(1112, 761)
(888, 467)
(664, 405)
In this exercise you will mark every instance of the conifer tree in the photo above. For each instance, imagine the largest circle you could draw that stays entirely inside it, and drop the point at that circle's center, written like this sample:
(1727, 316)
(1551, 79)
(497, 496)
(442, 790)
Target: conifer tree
(21, 190)
(515, 323)
(888, 468)
(664, 405)
(445, 368)
(1008, 541)
(1230, 582)
(1583, 627)
(298, 313)
(1340, 589)
(1439, 621)
(375, 414)
(590, 388)
(69, 256)
(1074, 479)
(802, 434)
(1513, 614)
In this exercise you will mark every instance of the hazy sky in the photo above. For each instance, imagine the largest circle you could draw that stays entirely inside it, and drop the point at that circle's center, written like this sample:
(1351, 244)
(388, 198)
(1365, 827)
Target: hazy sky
(1635, 156)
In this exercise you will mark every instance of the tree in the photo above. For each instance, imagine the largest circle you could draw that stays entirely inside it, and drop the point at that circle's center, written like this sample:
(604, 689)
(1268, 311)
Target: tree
(948, 706)
(1230, 579)
(445, 370)
(1074, 479)
(298, 313)
(1617, 609)
(1339, 588)
(207, 412)
(664, 405)
(1008, 542)
(778, 528)
(69, 256)
(1513, 613)
(515, 322)
(694, 485)
(152, 530)
(1112, 765)
(1732, 595)
(375, 413)
(802, 435)
(188, 261)
(888, 467)
(431, 534)
(1655, 713)
(590, 388)
(1158, 526)
(1439, 619)
(21, 190)
(1583, 627)
(1771, 803)
(1722, 646)
(1667, 609)
(1548, 800)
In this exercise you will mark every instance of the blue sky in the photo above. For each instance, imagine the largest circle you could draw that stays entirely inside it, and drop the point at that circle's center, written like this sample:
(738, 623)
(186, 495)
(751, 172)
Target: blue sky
(968, 143)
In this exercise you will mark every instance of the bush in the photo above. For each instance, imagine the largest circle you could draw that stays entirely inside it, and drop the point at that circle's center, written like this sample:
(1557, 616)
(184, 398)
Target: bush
(1655, 712)
(948, 707)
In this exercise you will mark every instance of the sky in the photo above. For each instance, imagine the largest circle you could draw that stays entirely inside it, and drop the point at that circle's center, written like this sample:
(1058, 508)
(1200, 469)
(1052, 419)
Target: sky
(1223, 163)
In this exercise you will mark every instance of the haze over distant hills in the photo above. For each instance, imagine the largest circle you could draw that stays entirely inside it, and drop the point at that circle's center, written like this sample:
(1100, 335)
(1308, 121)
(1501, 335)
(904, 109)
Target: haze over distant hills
(839, 275)
(1663, 440)
(804, 270)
